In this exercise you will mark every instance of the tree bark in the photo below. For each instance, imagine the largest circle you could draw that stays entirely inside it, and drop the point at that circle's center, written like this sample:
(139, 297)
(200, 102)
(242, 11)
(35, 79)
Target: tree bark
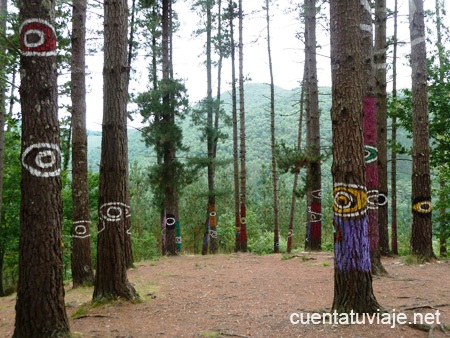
(111, 279)
(276, 236)
(243, 150)
(237, 212)
(370, 136)
(352, 278)
(380, 88)
(421, 234)
(314, 167)
(394, 244)
(40, 308)
(82, 271)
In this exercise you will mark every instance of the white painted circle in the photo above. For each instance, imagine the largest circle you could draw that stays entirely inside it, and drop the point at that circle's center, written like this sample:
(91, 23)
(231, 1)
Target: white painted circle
(34, 44)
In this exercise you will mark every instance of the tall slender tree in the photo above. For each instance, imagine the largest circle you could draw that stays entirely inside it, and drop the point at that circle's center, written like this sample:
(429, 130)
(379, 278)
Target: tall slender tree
(237, 213)
(276, 239)
(394, 243)
(82, 271)
(40, 308)
(421, 234)
(314, 198)
(370, 135)
(380, 90)
(242, 149)
(352, 278)
(111, 279)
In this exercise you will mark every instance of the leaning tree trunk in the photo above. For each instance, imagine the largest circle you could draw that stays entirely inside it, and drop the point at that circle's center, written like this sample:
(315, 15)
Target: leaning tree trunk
(370, 136)
(243, 150)
(380, 88)
(82, 271)
(314, 169)
(352, 278)
(111, 280)
(40, 308)
(421, 234)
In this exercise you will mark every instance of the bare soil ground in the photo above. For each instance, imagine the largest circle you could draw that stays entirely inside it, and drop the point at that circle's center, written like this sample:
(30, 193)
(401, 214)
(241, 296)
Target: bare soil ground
(244, 295)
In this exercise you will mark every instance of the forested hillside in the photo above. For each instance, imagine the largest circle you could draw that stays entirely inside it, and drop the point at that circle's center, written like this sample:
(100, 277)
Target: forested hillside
(258, 168)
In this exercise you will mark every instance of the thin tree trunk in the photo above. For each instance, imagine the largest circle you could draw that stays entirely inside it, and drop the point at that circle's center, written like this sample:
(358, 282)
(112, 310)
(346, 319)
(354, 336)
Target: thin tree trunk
(352, 278)
(243, 150)
(297, 172)
(168, 118)
(276, 239)
(111, 280)
(3, 14)
(394, 244)
(82, 270)
(442, 231)
(40, 307)
(235, 134)
(211, 136)
(380, 87)
(421, 234)
(314, 167)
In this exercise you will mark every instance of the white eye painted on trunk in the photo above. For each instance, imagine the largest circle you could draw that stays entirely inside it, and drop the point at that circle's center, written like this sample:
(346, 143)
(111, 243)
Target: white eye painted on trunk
(114, 211)
(42, 159)
(37, 38)
(81, 229)
(372, 199)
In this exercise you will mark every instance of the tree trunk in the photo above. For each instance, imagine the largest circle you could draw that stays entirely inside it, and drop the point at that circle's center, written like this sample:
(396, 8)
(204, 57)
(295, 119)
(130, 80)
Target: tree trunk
(3, 14)
(394, 245)
(352, 278)
(235, 133)
(370, 136)
(314, 166)
(380, 88)
(276, 236)
(82, 270)
(168, 119)
(421, 234)
(111, 279)
(40, 308)
(297, 172)
(211, 137)
(243, 151)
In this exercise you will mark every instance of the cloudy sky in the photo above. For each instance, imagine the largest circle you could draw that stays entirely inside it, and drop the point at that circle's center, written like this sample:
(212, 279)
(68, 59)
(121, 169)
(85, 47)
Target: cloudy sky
(287, 54)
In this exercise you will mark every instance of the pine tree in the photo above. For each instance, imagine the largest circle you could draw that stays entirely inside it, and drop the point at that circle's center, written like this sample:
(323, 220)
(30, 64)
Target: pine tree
(421, 234)
(111, 280)
(352, 278)
(40, 307)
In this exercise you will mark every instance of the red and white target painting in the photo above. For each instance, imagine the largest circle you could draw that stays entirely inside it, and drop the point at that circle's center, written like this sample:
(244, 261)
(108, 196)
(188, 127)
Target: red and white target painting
(37, 38)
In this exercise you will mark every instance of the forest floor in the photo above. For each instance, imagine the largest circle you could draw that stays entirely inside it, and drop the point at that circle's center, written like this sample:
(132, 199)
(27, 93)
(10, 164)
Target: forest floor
(245, 295)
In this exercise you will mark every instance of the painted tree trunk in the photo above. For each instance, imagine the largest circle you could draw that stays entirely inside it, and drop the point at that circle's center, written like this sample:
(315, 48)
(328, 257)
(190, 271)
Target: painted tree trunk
(82, 270)
(314, 170)
(370, 135)
(380, 88)
(111, 280)
(352, 278)
(40, 307)
(243, 150)
(421, 233)
(237, 215)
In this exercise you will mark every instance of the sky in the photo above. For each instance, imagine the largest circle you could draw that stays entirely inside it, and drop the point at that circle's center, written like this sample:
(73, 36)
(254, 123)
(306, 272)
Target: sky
(287, 55)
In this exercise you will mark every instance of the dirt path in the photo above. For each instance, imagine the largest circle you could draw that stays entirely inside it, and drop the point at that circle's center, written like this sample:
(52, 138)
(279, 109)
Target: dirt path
(244, 295)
